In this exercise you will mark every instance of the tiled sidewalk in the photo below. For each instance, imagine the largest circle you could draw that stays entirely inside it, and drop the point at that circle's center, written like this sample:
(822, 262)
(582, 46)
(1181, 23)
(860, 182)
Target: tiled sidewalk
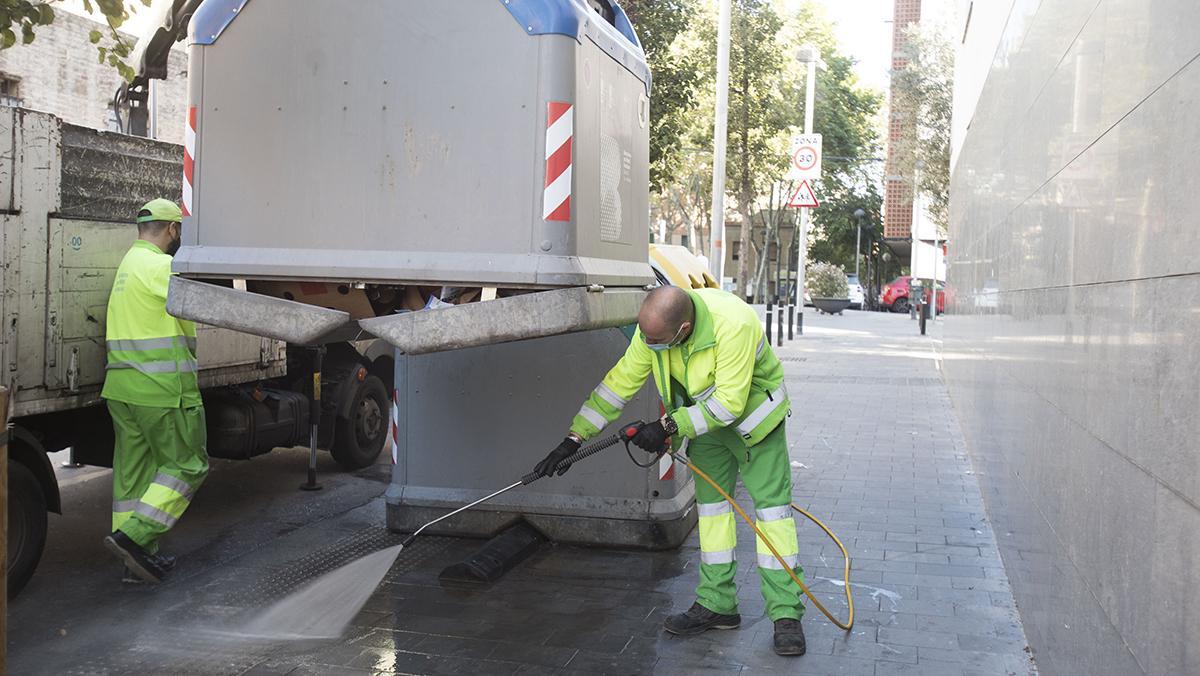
(876, 454)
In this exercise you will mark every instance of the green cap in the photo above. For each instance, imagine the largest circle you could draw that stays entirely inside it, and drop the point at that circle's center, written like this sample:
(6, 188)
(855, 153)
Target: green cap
(161, 210)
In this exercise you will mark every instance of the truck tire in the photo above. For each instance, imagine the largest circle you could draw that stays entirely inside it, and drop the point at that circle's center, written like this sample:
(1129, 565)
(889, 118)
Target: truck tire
(359, 437)
(26, 526)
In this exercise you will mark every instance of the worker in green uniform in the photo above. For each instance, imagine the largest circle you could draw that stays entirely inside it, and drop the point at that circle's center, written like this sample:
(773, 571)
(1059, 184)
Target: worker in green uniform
(723, 389)
(150, 385)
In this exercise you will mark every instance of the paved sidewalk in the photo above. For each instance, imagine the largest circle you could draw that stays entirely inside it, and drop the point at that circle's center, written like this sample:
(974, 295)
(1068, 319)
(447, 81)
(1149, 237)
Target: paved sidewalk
(877, 454)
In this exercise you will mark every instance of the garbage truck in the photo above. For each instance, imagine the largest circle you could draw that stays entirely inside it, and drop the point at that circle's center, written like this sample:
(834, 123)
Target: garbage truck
(68, 198)
(468, 182)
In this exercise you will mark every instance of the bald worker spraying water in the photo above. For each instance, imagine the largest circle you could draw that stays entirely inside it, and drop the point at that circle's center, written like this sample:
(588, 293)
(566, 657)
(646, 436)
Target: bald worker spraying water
(723, 389)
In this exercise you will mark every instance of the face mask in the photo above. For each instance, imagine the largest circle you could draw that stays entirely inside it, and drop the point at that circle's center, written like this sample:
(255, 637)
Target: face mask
(659, 347)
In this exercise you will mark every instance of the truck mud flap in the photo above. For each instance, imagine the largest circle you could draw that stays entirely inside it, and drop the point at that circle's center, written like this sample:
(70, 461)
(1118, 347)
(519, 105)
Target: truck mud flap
(503, 320)
(296, 323)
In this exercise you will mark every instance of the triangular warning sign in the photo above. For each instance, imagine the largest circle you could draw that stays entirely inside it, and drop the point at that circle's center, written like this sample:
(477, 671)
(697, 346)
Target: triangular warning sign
(804, 197)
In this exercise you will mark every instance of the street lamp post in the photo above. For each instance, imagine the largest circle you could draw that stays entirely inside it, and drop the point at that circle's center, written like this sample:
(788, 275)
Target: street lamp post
(807, 54)
(716, 235)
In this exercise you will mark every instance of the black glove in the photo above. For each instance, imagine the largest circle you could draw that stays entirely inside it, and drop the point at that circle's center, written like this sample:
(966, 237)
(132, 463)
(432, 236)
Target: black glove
(652, 437)
(565, 449)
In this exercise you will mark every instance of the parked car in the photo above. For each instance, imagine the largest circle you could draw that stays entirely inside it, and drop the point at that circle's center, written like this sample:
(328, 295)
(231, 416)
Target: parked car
(857, 295)
(895, 295)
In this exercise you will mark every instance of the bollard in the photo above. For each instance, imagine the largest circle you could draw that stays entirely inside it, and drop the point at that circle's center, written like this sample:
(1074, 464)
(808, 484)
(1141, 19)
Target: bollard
(770, 307)
(778, 327)
(791, 319)
(314, 414)
(70, 462)
(800, 323)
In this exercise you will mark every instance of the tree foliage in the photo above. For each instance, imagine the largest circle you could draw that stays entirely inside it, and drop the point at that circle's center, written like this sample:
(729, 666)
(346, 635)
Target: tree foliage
(662, 26)
(27, 16)
(924, 90)
(766, 110)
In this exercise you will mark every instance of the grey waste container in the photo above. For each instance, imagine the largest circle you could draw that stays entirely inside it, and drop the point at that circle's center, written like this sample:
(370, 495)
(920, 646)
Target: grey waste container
(474, 420)
(474, 142)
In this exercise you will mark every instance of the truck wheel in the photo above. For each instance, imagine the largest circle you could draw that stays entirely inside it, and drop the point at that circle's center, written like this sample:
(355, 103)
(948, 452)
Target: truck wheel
(26, 526)
(359, 438)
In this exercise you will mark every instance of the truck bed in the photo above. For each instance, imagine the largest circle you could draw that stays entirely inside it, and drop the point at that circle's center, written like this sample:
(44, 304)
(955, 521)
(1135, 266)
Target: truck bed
(68, 197)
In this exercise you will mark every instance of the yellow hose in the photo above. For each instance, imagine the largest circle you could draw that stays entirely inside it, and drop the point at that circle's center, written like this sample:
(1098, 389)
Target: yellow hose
(845, 556)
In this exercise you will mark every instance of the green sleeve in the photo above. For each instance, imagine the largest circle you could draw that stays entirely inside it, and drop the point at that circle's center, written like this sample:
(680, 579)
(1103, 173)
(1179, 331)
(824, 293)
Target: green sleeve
(606, 402)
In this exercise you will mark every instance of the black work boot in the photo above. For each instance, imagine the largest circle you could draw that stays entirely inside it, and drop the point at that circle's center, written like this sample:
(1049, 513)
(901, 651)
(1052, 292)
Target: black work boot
(789, 637)
(699, 619)
(146, 566)
(165, 561)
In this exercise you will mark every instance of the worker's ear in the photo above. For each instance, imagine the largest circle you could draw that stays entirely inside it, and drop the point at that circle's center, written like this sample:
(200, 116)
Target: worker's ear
(685, 329)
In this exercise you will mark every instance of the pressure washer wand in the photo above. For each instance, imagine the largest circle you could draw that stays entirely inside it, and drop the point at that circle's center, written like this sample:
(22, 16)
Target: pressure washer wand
(408, 541)
(625, 434)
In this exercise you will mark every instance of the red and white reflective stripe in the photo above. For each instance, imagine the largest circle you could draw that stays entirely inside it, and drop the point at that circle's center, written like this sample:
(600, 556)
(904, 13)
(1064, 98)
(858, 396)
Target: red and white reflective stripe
(394, 428)
(666, 464)
(666, 467)
(189, 159)
(560, 128)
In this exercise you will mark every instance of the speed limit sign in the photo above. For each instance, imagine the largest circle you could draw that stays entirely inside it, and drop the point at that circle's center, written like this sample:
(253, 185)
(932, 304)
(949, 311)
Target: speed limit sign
(805, 158)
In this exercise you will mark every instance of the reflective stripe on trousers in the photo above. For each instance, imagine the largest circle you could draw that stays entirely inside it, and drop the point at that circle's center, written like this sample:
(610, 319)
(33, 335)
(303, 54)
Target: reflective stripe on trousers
(121, 511)
(718, 537)
(780, 528)
(163, 502)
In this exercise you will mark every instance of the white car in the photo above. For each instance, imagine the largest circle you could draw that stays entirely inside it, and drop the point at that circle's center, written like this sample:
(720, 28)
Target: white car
(857, 295)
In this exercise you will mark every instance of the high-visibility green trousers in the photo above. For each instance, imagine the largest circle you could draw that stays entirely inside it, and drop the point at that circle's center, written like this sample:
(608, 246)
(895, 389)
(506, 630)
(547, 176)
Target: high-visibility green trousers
(766, 473)
(159, 461)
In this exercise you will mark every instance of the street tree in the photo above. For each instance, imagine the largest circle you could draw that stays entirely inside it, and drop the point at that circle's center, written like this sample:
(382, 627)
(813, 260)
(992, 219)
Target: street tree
(662, 27)
(27, 16)
(846, 114)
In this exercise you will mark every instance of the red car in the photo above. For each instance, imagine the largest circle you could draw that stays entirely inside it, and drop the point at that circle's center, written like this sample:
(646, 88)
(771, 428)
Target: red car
(895, 295)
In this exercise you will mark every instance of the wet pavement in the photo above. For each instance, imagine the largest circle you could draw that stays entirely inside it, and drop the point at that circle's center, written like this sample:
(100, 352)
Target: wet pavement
(876, 453)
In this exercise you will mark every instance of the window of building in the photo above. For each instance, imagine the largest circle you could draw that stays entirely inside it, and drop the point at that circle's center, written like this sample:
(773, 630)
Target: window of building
(737, 250)
(111, 121)
(10, 91)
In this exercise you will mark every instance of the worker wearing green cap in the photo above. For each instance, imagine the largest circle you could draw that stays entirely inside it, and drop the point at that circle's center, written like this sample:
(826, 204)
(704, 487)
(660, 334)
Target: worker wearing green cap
(159, 459)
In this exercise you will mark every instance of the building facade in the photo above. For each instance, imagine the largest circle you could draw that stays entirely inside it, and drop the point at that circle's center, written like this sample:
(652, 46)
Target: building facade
(898, 196)
(1071, 347)
(59, 73)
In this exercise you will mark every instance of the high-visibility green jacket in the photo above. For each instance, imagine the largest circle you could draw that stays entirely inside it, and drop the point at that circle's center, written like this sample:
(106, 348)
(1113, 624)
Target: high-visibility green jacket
(724, 374)
(151, 355)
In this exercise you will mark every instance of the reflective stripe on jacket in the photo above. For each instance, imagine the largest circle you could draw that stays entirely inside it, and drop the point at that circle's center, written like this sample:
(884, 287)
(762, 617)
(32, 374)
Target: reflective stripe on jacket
(730, 373)
(151, 355)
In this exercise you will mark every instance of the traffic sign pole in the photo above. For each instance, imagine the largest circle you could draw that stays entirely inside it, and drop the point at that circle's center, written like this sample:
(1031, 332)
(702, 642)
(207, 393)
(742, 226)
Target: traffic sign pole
(810, 96)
